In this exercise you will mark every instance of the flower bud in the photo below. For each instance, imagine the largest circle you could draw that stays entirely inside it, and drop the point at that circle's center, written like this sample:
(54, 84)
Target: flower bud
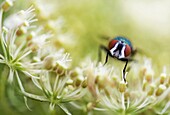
(162, 78)
(26, 23)
(79, 80)
(69, 82)
(84, 84)
(127, 95)
(48, 62)
(22, 30)
(144, 85)
(90, 106)
(73, 74)
(160, 90)
(106, 91)
(59, 69)
(122, 86)
(99, 80)
(30, 36)
(6, 5)
(33, 47)
(148, 77)
(151, 89)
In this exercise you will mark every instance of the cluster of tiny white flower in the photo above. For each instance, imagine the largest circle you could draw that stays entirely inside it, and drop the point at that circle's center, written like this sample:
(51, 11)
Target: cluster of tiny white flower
(144, 90)
(24, 49)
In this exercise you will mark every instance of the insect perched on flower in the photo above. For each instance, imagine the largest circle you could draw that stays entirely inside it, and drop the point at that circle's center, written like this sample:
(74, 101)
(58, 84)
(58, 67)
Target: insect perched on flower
(120, 48)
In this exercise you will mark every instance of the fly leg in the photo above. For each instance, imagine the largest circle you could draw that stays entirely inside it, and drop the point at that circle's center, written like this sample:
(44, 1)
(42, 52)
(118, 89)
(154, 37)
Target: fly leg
(107, 55)
(124, 71)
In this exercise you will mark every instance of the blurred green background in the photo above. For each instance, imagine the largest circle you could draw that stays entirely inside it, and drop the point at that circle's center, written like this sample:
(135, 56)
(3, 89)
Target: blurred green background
(146, 23)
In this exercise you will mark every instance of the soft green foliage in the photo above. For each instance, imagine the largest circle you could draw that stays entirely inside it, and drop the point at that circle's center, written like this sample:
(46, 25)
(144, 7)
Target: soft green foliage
(49, 53)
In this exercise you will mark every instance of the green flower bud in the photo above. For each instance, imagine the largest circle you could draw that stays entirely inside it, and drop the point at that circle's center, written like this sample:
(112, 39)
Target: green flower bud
(151, 89)
(122, 86)
(84, 84)
(160, 90)
(145, 84)
(6, 5)
(79, 80)
(90, 106)
(74, 74)
(162, 78)
(127, 95)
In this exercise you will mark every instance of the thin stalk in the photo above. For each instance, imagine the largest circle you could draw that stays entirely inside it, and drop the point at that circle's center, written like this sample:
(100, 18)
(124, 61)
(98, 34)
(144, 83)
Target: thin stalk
(1, 14)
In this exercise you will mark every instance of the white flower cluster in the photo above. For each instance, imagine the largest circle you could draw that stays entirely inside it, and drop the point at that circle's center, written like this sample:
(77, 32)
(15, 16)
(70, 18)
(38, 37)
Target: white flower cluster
(143, 91)
(27, 50)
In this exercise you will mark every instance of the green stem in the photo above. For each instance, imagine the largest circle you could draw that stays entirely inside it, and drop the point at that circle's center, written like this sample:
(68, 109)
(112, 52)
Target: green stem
(52, 109)
(3, 79)
(1, 13)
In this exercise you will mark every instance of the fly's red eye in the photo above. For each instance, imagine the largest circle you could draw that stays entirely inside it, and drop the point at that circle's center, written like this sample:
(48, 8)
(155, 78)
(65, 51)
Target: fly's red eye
(112, 44)
(127, 50)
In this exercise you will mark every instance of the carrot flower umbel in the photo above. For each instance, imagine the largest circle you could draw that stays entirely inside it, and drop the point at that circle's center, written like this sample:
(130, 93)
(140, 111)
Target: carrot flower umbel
(143, 91)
